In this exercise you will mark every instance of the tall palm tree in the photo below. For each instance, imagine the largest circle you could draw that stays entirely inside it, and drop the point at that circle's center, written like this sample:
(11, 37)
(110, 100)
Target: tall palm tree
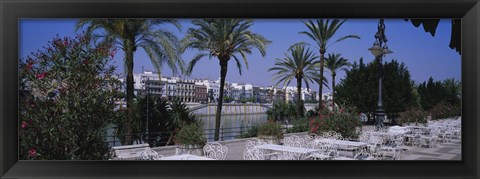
(223, 39)
(161, 46)
(322, 31)
(334, 62)
(299, 64)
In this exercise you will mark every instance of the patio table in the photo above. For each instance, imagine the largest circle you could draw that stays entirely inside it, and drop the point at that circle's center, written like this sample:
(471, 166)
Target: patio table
(298, 152)
(343, 144)
(186, 157)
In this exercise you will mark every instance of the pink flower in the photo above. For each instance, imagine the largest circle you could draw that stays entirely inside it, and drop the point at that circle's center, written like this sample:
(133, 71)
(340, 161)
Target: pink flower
(41, 75)
(113, 52)
(30, 65)
(32, 152)
(24, 124)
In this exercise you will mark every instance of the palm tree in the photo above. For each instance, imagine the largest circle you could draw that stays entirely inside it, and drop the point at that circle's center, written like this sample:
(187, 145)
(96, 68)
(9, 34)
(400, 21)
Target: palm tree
(223, 39)
(299, 64)
(335, 62)
(129, 34)
(321, 31)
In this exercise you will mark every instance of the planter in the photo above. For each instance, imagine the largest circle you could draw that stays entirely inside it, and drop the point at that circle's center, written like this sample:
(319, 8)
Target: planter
(190, 149)
(269, 139)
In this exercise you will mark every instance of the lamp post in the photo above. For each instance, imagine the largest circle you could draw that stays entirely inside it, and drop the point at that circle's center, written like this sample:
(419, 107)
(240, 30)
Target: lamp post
(378, 51)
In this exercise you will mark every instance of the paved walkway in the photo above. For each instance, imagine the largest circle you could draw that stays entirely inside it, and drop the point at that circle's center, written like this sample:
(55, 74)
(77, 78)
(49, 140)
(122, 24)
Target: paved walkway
(444, 151)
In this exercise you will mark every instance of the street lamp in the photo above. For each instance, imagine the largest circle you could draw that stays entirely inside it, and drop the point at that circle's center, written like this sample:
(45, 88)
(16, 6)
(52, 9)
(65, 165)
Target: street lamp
(378, 51)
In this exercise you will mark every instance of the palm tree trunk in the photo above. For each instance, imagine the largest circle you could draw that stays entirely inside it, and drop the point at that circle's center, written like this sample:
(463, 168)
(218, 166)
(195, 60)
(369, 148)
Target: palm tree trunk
(320, 88)
(128, 125)
(333, 91)
(129, 50)
(223, 74)
(299, 97)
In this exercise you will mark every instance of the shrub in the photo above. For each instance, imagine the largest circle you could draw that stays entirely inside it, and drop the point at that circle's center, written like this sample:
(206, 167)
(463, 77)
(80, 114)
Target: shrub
(416, 115)
(445, 110)
(342, 121)
(251, 132)
(67, 99)
(299, 125)
(270, 128)
(191, 134)
(281, 109)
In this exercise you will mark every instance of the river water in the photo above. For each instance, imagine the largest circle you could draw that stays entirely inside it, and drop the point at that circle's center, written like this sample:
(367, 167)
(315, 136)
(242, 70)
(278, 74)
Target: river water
(231, 124)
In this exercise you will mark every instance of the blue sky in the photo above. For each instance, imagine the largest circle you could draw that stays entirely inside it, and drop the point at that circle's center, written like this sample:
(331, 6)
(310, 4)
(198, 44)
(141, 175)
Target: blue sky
(423, 54)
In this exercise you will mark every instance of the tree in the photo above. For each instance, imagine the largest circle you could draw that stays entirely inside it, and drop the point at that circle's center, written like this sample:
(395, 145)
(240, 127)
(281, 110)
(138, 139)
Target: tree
(224, 39)
(130, 34)
(435, 92)
(67, 99)
(299, 64)
(360, 87)
(335, 62)
(322, 31)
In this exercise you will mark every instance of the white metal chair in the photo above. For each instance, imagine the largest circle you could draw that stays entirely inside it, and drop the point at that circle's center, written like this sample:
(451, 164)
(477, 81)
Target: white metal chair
(294, 141)
(215, 150)
(253, 154)
(151, 155)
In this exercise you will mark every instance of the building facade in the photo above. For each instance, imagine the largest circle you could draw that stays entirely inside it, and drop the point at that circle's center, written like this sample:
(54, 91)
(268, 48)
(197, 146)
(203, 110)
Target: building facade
(201, 93)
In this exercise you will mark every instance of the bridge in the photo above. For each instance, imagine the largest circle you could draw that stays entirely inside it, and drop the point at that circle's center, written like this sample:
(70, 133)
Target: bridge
(235, 108)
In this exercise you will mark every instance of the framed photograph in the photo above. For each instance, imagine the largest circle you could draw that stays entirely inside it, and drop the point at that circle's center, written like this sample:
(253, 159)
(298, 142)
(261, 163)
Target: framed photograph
(88, 90)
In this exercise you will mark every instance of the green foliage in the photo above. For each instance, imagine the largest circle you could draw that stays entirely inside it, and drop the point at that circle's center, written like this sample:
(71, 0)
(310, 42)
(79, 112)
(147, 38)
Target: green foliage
(251, 132)
(270, 128)
(225, 39)
(343, 121)
(281, 109)
(160, 45)
(191, 134)
(444, 110)
(299, 125)
(415, 115)
(435, 92)
(67, 99)
(360, 87)
(299, 64)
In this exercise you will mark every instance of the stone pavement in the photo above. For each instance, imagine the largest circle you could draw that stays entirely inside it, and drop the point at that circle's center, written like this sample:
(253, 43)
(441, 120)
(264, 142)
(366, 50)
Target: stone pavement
(444, 151)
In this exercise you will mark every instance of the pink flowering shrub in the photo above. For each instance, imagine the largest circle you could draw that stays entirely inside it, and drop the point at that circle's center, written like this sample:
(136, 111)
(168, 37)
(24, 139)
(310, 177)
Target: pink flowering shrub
(416, 115)
(445, 110)
(344, 121)
(66, 100)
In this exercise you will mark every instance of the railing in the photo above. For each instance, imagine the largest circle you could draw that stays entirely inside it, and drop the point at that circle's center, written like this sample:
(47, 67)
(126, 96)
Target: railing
(156, 139)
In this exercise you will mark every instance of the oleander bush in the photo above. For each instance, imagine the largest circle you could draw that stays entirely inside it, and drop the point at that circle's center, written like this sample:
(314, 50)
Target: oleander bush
(67, 99)
(415, 115)
(191, 134)
(299, 125)
(445, 110)
(343, 121)
(270, 128)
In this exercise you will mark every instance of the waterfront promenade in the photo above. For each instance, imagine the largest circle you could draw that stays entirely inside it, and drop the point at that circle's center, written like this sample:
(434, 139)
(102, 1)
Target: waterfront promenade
(444, 151)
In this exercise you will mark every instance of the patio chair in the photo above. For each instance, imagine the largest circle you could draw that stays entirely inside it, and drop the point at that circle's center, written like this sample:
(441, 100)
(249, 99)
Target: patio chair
(215, 150)
(253, 154)
(294, 141)
(151, 155)
(252, 143)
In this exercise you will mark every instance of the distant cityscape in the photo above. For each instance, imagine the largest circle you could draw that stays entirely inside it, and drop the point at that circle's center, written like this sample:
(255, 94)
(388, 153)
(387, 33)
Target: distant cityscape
(208, 91)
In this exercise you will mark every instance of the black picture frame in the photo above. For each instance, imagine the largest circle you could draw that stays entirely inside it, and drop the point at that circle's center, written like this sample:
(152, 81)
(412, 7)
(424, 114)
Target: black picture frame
(11, 11)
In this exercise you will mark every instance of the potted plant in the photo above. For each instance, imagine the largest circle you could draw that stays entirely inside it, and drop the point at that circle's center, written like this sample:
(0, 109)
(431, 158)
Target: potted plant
(270, 132)
(190, 139)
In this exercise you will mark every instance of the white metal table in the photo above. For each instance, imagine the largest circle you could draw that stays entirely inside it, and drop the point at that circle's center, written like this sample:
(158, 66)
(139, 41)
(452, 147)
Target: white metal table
(342, 142)
(298, 153)
(186, 157)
